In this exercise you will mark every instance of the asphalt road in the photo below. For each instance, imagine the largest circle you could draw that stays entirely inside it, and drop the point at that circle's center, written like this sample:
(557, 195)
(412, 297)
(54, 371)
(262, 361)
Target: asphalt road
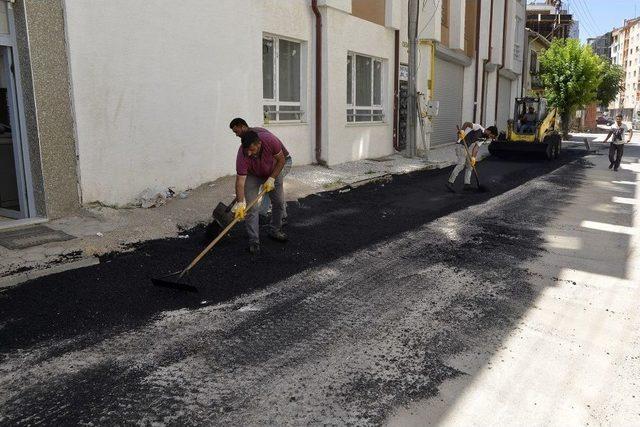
(353, 317)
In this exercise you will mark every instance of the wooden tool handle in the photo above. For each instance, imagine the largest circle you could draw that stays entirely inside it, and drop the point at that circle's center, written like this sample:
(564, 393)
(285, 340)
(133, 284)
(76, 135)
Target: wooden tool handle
(464, 144)
(220, 236)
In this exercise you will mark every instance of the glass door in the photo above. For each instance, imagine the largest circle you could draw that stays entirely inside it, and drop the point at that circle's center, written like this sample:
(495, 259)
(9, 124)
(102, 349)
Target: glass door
(13, 195)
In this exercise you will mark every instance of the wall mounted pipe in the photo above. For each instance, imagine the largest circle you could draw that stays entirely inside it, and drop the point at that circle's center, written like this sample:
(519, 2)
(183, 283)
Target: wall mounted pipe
(504, 49)
(475, 85)
(318, 119)
(396, 93)
(484, 63)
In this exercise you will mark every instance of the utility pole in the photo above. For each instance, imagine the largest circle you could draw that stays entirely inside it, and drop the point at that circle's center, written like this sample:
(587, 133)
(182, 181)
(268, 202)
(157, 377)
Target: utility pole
(412, 111)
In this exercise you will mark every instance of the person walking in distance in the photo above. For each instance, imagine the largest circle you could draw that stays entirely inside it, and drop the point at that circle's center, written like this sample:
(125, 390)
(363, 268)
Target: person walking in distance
(473, 135)
(616, 148)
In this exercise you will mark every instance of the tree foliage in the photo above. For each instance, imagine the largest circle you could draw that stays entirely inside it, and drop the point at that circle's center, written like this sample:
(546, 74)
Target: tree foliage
(611, 83)
(571, 74)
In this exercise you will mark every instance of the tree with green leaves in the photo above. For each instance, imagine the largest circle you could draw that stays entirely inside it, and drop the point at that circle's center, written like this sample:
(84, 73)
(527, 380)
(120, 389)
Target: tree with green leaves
(571, 74)
(611, 83)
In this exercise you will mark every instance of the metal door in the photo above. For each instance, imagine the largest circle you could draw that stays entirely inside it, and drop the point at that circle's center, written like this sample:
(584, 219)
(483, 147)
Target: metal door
(448, 91)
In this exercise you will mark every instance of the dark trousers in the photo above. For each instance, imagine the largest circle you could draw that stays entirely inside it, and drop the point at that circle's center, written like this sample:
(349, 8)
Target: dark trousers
(615, 154)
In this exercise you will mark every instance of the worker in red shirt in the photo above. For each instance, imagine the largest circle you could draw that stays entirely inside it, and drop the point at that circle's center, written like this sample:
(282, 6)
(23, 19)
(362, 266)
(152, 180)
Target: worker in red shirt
(261, 163)
(239, 127)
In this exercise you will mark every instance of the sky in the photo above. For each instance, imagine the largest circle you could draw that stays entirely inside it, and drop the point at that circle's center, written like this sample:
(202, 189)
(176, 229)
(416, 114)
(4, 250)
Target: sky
(599, 16)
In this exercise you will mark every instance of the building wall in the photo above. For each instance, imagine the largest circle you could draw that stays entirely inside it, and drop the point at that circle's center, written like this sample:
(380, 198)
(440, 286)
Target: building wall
(490, 52)
(50, 132)
(344, 33)
(370, 10)
(625, 51)
(153, 99)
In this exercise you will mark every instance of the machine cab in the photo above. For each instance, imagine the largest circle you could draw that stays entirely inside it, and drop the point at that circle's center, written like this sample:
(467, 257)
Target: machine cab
(528, 114)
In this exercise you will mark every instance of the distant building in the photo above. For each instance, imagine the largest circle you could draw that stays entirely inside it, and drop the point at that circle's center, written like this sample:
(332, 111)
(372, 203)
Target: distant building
(574, 31)
(536, 44)
(625, 51)
(601, 45)
(551, 20)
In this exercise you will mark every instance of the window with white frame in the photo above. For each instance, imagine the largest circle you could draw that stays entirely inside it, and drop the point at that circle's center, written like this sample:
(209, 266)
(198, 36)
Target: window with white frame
(364, 89)
(517, 48)
(281, 70)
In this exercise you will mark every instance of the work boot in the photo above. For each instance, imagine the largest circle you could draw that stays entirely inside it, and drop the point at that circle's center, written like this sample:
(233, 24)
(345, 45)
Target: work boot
(278, 235)
(467, 187)
(450, 187)
(254, 248)
(615, 169)
(610, 165)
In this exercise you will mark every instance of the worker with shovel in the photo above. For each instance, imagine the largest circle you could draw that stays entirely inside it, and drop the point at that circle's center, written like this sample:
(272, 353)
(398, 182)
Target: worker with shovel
(239, 127)
(470, 138)
(261, 164)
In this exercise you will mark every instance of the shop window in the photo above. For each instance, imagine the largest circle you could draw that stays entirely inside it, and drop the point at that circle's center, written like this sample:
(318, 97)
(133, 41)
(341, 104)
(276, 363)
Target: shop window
(364, 89)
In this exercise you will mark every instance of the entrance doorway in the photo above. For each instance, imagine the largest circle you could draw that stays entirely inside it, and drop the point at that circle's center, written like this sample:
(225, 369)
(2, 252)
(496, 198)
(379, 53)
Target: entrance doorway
(13, 182)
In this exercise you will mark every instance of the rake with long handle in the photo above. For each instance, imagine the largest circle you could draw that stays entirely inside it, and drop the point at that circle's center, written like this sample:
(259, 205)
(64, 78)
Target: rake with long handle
(168, 281)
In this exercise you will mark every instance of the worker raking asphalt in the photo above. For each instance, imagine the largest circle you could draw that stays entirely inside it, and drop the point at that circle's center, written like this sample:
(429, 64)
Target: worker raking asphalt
(116, 295)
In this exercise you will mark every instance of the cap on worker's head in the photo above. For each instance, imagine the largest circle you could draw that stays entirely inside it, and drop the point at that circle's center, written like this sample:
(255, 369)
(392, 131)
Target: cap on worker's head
(237, 122)
(249, 138)
(493, 130)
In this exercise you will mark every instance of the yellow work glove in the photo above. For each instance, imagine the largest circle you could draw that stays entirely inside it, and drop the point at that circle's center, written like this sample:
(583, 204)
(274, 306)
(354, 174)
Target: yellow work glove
(239, 210)
(269, 184)
(473, 162)
(460, 135)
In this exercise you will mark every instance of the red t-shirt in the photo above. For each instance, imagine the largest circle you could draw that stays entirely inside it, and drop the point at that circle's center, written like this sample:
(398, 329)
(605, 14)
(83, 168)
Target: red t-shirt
(263, 165)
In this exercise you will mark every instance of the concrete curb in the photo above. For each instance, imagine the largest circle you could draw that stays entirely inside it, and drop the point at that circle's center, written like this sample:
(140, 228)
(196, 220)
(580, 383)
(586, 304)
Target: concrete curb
(16, 279)
(381, 177)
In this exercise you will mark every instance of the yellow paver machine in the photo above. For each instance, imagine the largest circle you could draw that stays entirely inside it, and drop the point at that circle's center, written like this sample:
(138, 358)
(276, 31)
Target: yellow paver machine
(531, 130)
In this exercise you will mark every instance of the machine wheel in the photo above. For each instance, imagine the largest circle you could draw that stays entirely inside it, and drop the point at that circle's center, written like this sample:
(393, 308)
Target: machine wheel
(553, 143)
(549, 150)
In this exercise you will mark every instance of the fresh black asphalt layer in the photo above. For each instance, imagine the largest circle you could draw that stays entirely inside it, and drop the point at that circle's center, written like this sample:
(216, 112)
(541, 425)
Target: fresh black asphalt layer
(117, 294)
(99, 302)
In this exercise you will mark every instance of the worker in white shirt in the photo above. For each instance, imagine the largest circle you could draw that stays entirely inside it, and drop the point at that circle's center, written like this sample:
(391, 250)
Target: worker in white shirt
(473, 135)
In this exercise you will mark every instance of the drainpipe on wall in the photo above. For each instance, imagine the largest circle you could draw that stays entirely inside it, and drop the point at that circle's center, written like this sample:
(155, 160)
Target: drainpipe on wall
(475, 86)
(525, 60)
(316, 12)
(504, 39)
(484, 63)
(396, 94)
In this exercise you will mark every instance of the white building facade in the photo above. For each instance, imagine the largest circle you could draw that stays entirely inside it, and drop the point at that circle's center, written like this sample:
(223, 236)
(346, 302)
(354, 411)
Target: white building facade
(625, 51)
(154, 85)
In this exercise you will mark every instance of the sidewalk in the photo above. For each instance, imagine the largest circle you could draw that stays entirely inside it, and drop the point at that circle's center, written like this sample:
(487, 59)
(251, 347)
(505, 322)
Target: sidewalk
(100, 230)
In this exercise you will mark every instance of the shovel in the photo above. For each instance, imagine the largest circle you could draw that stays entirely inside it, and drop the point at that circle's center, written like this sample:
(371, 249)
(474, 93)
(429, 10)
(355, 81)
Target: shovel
(177, 280)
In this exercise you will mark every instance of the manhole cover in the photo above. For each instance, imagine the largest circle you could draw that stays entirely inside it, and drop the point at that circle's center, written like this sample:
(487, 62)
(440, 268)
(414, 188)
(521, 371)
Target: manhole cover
(31, 236)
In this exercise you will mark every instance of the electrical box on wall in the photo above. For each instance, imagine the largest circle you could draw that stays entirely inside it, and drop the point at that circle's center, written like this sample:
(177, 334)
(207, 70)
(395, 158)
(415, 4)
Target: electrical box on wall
(432, 108)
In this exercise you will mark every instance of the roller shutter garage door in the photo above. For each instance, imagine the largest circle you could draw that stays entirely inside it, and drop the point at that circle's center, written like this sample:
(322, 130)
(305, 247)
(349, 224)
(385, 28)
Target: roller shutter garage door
(448, 91)
(504, 103)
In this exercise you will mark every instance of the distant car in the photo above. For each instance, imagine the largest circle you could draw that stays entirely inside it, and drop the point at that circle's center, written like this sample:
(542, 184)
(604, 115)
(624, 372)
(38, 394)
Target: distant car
(602, 120)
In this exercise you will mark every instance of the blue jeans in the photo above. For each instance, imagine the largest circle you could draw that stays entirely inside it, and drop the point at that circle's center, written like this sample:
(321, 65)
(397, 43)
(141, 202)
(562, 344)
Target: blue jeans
(265, 207)
(276, 197)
